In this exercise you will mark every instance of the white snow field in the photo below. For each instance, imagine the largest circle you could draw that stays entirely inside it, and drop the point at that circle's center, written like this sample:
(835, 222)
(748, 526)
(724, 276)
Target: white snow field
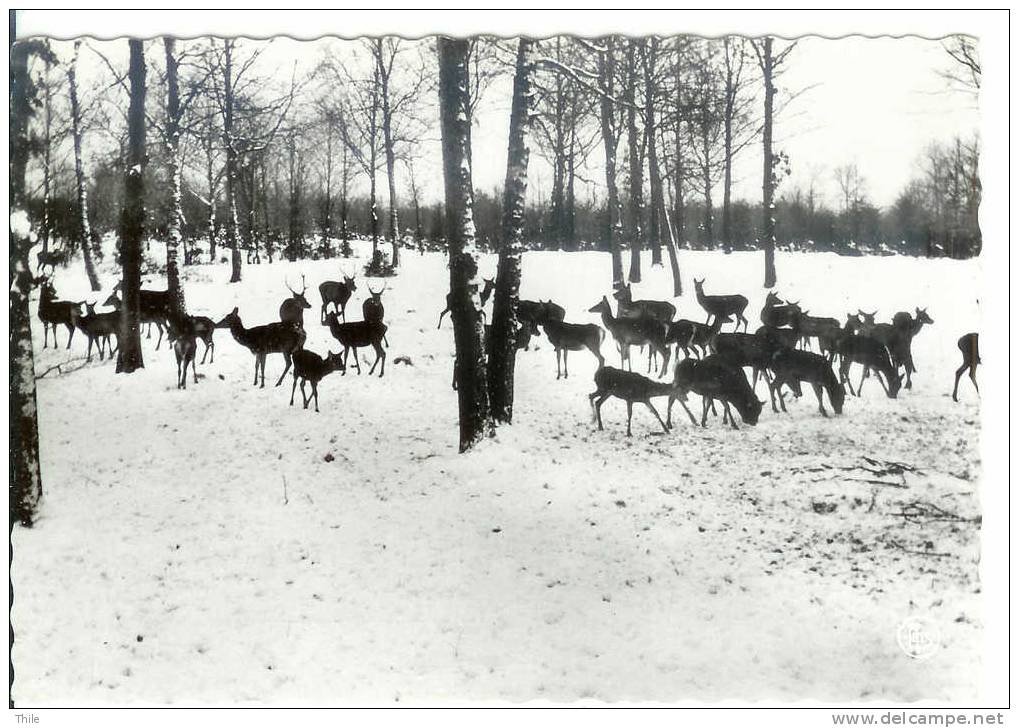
(216, 546)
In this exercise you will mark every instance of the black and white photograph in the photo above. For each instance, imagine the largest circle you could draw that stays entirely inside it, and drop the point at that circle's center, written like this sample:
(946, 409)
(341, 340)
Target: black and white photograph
(645, 358)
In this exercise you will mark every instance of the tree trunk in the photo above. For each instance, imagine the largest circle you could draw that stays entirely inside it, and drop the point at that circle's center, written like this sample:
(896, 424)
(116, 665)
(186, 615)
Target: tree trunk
(84, 229)
(472, 389)
(636, 168)
(327, 207)
(175, 232)
(25, 486)
(677, 281)
(606, 74)
(679, 204)
(387, 139)
(709, 212)
(132, 219)
(210, 177)
(502, 343)
(47, 174)
(650, 59)
(230, 182)
(768, 209)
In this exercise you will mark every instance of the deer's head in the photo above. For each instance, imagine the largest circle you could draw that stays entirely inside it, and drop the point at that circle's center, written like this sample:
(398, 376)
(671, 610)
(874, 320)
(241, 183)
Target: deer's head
(298, 297)
(376, 296)
(113, 300)
(228, 320)
(922, 317)
(349, 283)
(334, 362)
(868, 318)
(601, 307)
(772, 299)
(624, 293)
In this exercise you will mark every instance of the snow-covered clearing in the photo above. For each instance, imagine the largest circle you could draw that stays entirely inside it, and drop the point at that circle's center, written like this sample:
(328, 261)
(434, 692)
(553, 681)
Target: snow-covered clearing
(217, 546)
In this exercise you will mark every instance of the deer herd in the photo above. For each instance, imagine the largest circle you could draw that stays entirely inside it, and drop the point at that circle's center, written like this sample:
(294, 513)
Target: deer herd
(709, 362)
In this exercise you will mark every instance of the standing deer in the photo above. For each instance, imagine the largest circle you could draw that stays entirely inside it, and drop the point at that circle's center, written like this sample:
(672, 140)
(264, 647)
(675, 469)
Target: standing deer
(749, 350)
(777, 313)
(310, 367)
(98, 327)
(356, 334)
(628, 308)
(907, 328)
(566, 337)
(629, 387)
(634, 332)
(714, 379)
(731, 305)
(872, 354)
(280, 337)
(791, 367)
(50, 259)
(147, 315)
(292, 309)
(336, 293)
(182, 336)
(154, 307)
(372, 308)
(826, 330)
(486, 293)
(969, 346)
(53, 313)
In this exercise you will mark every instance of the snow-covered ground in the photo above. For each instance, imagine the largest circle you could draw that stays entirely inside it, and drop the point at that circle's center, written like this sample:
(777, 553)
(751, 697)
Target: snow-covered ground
(217, 546)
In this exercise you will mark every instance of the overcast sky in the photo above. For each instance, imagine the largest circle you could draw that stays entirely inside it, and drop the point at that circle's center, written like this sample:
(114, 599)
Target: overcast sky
(875, 102)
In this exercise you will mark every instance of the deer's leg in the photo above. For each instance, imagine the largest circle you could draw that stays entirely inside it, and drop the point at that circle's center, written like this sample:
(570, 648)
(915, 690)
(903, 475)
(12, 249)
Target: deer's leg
(304, 393)
(45, 335)
(256, 369)
(682, 402)
(159, 328)
(566, 363)
(314, 391)
(958, 375)
(194, 367)
(732, 419)
(357, 362)
(973, 377)
(597, 409)
(629, 416)
(558, 370)
(704, 410)
(70, 335)
(293, 389)
(665, 428)
(289, 361)
(820, 400)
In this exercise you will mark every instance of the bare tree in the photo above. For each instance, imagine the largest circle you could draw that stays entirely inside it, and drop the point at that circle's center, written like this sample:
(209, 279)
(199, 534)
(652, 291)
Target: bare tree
(472, 390)
(771, 65)
(635, 157)
(965, 70)
(25, 477)
(502, 347)
(132, 223)
(84, 228)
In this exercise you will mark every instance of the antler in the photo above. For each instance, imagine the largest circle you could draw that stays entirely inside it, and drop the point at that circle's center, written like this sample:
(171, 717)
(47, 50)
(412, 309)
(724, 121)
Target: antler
(304, 286)
(286, 280)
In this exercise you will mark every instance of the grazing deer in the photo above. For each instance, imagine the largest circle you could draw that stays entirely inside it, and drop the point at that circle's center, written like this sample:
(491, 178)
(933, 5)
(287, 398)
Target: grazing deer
(628, 308)
(777, 313)
(786, 337)
(50, 259)
(872, 354)
(791, 367)
(629, 387)
(182, 335)
(731, 305)
(53, 312)
(566, 337)
(634, 332)
(486, 293)
(281, 337)
(292, 309)
(145, 316)
(97, 327)
(907, 327)
(969, 346)
(356, 334)
(713, 379)
(336, 293)
(310, 367)
(749, 350)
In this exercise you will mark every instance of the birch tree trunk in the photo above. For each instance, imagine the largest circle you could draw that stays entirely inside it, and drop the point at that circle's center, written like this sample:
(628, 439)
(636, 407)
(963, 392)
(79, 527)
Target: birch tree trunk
(654, 172)
(230, 182)
(132, 220)
(636, 168)
(472, 389)
(502, 343)
(84, 229)
(25, 486)
(175, 231)
(768, 208)
(387, 139)
(47, 178)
